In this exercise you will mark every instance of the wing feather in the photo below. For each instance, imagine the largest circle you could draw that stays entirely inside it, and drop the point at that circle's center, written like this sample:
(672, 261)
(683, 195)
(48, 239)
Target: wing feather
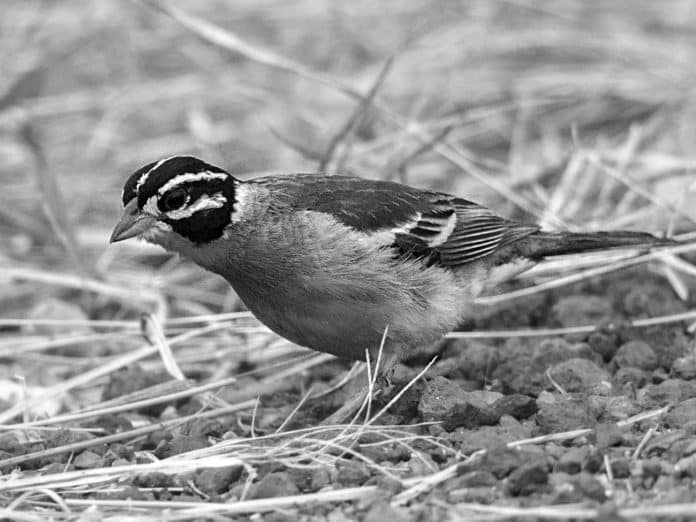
(441, 228)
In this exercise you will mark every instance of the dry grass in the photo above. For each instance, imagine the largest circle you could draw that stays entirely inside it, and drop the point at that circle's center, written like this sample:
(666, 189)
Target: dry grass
(578, 114)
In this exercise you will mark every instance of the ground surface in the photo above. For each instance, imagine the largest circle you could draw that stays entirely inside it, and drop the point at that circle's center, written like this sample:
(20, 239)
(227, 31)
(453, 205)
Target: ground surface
(132, 382)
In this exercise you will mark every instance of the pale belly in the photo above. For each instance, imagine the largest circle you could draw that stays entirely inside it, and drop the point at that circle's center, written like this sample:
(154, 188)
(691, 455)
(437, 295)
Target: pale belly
(347, 316)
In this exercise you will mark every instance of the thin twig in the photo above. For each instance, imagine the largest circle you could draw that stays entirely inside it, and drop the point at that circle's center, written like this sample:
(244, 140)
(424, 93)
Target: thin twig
(352, 123)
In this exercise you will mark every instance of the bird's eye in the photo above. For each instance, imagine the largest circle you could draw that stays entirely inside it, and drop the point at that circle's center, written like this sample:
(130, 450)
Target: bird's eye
(174, 199)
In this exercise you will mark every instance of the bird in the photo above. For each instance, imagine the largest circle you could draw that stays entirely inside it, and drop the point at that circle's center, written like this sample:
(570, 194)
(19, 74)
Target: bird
(333, 262)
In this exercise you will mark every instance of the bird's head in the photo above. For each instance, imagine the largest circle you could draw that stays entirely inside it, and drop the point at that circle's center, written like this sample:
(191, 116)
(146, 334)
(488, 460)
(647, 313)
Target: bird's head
(177, 199)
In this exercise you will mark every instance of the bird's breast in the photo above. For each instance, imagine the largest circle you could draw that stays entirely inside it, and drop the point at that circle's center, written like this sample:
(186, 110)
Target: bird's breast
(324, 286)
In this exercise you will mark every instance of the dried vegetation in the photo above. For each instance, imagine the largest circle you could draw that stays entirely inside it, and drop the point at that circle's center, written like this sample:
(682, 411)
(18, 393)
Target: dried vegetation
(132, 382)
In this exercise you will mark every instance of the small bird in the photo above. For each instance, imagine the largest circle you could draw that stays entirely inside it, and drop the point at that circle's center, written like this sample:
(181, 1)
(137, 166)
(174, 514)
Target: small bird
(330, 262)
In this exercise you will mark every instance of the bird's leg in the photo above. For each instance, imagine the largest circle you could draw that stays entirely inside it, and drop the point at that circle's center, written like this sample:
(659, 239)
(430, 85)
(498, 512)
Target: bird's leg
(378, 383)
(384, 382)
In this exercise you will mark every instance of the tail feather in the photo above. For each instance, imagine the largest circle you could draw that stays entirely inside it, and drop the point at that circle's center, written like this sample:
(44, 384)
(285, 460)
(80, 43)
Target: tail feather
(544, 244)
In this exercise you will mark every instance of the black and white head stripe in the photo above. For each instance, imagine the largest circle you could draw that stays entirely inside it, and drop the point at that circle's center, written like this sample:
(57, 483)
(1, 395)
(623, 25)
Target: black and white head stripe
(191, 177)
(130, 189)
(194, 198)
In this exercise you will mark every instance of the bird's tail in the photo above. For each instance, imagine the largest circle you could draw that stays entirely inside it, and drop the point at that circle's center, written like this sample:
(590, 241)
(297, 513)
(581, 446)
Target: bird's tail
(544, 244)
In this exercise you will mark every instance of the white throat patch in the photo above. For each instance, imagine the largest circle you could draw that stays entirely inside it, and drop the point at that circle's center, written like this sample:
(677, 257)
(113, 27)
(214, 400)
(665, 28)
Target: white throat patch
(242, 200)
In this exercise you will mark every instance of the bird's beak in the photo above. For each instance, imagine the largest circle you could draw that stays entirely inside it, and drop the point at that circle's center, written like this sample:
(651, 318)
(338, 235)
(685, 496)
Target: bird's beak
(132, 223)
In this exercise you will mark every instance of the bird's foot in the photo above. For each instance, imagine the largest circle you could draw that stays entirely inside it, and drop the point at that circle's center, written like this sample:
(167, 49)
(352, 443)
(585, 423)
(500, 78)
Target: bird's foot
(361, 401)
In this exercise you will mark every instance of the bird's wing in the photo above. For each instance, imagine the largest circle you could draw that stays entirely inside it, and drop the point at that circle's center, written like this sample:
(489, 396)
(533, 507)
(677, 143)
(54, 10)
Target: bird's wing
(446, 230)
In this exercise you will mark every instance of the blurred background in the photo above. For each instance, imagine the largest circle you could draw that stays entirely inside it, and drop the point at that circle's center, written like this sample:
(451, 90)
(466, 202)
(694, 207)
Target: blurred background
(574, 114)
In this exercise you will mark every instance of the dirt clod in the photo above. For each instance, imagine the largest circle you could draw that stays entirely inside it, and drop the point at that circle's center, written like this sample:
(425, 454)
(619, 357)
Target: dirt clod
(668, 343)
(9, 442)
(87, 460)
(352, 474)
(500, 461)
(524, 369)
(516, 405)
(529, 478)
(469, 415)
(651, 300)
(636, 354)
(132, 379)
(571, 461)
(633, 376)
(589, 487)
(605, 344)
(685, 367)
(215, 481)
(486, 437)
(614, 408)
(276, 484)
(576, 310)
(439, 397)
(383, 511)
(473, 479)
(443, 400)
(620, 468)
(682, 414)
(179, 444)
(154, 479)
(667, 392)
(564, 413)
(577, 374)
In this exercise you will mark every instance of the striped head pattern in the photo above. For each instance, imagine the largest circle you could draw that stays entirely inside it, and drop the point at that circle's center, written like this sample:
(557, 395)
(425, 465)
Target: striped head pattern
(185, 195)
